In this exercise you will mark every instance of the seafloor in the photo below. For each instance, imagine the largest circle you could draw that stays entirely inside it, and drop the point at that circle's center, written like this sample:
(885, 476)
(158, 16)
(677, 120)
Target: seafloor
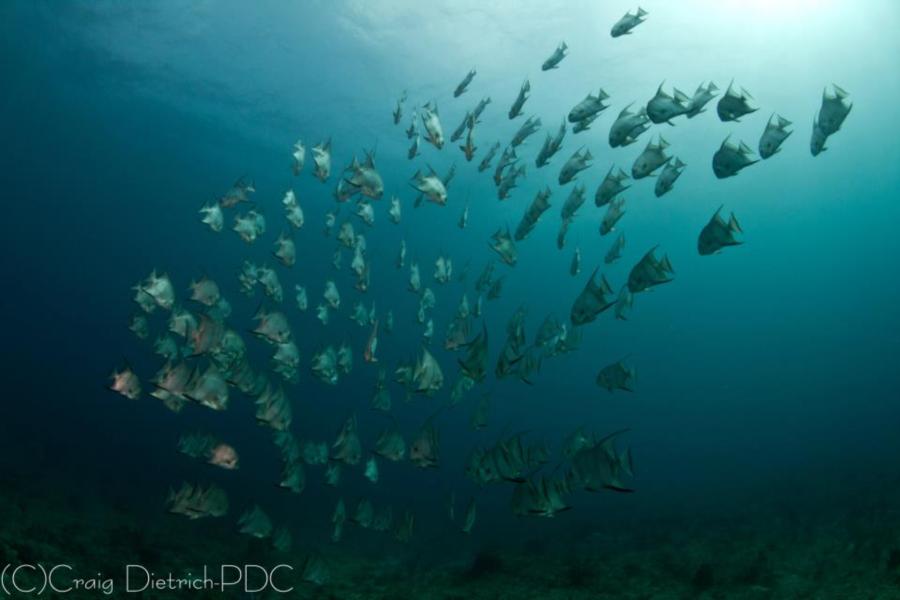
(846, 551)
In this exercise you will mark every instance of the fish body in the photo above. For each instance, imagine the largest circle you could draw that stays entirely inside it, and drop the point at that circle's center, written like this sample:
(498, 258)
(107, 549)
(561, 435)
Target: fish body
(734, 104)
(666, 180)
(554, 59)
(700, 99)
(628, 22)
(718, 234)
(432, 122)
(577, 162)
(461, 88)
(589, 107)
(628, 126)
(662, 108)
(731, 158)
(651, 159)
(516, 109)
(775, 133)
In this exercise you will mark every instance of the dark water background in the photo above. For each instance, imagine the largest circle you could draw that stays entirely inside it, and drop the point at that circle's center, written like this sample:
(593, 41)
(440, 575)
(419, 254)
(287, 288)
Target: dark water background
(767, 376)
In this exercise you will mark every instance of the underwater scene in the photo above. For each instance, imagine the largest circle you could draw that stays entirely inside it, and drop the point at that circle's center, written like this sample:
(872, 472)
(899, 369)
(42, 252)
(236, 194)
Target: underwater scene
(451, 300)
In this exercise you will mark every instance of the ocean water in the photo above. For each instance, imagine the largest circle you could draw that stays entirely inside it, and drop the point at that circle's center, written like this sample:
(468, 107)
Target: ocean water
(764, 416)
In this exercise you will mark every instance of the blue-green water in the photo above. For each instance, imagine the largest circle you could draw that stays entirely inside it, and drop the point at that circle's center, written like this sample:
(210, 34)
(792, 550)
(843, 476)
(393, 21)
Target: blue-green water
(767, 374)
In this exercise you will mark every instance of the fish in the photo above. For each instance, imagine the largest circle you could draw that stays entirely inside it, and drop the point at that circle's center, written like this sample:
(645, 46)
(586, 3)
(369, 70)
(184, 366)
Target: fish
(390, 445)
(615, 210)
(485, 163)
(616, 376)
(397, 113)
(474, 365)
(239, 192)
(469, 520)
(833, 111)
(817, 140)
(371, 470)
(544, 497)
(250, 226)
(371, 345)
(829, 118)
(628, 22)
(197, 502)
(651, 159)
(718, 234)
(324, 365)
(666, 180)
(662, 108)
(506, 159)
(338, 518)
(299, 156)
(315, 570)
(394, 212)
(126, 383)
(414, 148)
(404, 529)
(479, 108)
(458, 132)
(732, 158)
(461, 88)
(600, 466)
(413, 129)
(427, 377)
(292, 210)
(502, 243)
(365, 178)
(282, 540)
(431, 186)
(347, 448)
(273, 409)
(552, 144)
(212, 216)
(443, 269)
(509, 181)
(516, 109)
(533, 213)
(593, 300)
(415, 279)
(331, 294)
(584, 124)
(575, 266)
(425, 448)
(774, 135)
(255, 523)
(530, 126)
(554, 59)
(434, 134)
(285, 250)
(649, 272)
(589, 107)
(469, 147)
(322, 160)
(578, 162)
(611, 186)
(702, 96)
(573, 203)
(733, 104)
